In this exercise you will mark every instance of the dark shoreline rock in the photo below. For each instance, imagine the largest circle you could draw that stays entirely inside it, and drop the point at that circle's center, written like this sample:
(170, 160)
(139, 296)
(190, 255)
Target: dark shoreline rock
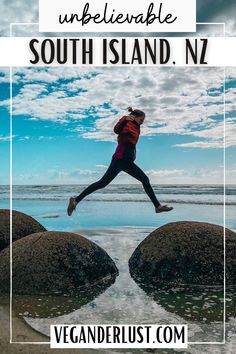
(22, 225)
(185, 253)
(55, 262)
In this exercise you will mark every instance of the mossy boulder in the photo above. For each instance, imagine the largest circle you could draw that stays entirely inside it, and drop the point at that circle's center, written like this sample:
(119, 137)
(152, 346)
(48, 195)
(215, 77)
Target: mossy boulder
(185, 252)
(22, 225)
(55, 262)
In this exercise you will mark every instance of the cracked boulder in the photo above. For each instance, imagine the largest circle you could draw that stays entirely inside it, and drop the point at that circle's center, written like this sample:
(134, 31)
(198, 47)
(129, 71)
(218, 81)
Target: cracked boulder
(185, 252)
(55, 262)
(22, 225)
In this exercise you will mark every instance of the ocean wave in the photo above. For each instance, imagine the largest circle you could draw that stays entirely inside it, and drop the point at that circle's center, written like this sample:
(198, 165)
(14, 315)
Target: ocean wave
(126, 200)
(63, 190)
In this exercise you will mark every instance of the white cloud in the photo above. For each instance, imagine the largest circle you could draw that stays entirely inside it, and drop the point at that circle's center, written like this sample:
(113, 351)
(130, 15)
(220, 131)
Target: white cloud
(26, 177)
(4, 75)
(6, 138)
(101, 166)
(157, 176)
(185, 101)
(74, 175)
(165, 173)
(201, 145)
(17, 11)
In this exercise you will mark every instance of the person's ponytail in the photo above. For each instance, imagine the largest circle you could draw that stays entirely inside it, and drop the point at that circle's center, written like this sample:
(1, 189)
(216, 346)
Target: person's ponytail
(136, 112)
(130, 109)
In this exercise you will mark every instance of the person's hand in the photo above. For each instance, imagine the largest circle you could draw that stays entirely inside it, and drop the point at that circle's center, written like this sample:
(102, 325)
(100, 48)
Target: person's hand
(129, 118)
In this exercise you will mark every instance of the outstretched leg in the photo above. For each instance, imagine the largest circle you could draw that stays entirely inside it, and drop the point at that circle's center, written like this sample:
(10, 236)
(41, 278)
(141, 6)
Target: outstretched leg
(133, 170)
(109, 175)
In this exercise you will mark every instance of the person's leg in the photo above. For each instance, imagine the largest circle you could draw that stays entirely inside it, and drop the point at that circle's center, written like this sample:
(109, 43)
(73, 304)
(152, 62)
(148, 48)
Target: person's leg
(133, 170)
(109, 175)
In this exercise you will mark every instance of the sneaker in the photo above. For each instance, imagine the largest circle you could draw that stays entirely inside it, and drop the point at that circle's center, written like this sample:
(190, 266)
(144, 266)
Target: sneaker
(162, 208)
(71, 206)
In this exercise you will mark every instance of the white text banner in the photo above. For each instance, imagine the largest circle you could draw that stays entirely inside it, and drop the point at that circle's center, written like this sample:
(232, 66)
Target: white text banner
(117, 16)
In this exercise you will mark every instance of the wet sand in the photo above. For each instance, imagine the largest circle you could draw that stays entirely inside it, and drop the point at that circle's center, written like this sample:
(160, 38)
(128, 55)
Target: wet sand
(22, 332)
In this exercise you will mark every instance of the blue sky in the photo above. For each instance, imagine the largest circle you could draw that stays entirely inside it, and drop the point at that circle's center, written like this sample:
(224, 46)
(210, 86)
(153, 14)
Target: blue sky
(63, 117)
(63, 123)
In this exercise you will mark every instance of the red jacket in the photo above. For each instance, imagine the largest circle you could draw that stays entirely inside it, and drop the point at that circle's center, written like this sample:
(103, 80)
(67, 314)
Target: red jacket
(128, 135)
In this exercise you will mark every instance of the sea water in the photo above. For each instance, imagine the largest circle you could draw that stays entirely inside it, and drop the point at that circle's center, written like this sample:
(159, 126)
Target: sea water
(122, 205)
(118, 218)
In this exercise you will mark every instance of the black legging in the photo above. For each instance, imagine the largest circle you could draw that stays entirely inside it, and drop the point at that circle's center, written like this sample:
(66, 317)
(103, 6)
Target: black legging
(116, 167)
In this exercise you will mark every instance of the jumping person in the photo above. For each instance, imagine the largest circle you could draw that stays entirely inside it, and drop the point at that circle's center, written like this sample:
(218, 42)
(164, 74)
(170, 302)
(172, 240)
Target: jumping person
(128, 130)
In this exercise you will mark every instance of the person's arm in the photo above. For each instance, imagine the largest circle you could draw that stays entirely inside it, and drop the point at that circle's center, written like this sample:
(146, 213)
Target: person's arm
(121, 124)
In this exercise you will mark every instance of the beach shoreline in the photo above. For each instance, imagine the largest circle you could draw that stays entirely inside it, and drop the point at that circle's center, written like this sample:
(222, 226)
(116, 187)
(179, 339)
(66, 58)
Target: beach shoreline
(121, 298)
(23, 332)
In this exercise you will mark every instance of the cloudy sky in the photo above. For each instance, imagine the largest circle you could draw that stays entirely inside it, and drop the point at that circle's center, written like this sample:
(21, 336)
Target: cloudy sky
(63, 118)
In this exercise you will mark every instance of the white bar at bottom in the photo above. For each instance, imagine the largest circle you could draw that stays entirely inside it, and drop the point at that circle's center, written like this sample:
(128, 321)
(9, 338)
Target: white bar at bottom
(118, 336)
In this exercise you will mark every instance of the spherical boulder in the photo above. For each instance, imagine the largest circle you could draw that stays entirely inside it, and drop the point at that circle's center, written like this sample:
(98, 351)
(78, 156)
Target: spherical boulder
(22, 225)
(185, 252)
(55, 262)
